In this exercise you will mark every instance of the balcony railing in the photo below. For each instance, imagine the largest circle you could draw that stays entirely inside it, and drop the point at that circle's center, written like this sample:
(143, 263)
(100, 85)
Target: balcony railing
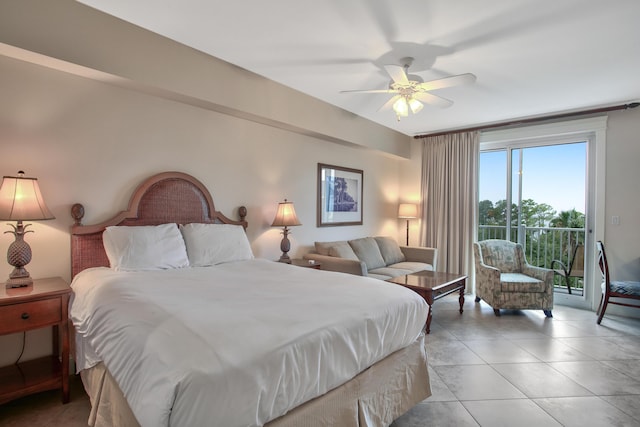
(542, 245)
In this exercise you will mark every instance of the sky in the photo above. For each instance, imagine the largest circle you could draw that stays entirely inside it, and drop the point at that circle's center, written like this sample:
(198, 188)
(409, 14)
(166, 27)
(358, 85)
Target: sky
(555, 175)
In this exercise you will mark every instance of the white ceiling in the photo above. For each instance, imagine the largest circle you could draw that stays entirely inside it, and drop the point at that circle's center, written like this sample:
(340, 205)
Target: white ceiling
(531, 57)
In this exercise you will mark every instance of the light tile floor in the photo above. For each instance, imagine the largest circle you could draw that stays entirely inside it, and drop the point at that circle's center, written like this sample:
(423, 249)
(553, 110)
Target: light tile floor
(520, 369)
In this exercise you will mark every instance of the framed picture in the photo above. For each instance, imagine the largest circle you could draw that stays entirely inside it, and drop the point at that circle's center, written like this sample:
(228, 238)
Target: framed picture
(339, 196)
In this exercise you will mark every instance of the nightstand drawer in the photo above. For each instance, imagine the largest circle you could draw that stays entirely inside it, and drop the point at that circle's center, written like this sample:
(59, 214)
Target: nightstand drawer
(29, 315)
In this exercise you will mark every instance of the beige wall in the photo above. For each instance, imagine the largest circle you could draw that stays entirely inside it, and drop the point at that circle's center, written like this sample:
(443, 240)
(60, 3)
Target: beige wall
(94, 143)
(92, 138)
(622, 198)
(622, 175)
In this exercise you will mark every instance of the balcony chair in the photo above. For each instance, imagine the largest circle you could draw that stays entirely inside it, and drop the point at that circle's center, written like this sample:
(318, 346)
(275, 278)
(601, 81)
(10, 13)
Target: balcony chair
(574, 269)
(625, 290)
(504, 279)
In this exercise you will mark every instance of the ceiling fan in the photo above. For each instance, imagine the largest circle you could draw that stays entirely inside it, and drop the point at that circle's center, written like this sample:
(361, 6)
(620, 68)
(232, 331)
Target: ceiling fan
(411, 90)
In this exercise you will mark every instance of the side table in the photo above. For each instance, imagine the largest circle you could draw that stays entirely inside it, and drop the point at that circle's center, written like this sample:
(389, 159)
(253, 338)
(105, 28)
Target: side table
(44, 303)
(305, 263)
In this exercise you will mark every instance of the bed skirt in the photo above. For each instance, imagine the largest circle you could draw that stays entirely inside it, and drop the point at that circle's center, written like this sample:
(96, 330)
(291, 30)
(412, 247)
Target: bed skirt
(374, 398)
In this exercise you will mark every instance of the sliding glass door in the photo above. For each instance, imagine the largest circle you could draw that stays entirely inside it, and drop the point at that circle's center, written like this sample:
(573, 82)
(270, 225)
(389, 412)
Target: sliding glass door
(535, 193)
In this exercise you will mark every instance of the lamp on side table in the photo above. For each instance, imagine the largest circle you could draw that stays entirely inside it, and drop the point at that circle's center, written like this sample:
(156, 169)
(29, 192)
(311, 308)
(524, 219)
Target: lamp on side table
(285, 217)
(21, 200)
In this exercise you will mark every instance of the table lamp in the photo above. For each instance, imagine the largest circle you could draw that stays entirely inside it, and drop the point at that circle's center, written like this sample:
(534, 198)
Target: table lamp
(285, 217)
(21, 200)
(408, 211)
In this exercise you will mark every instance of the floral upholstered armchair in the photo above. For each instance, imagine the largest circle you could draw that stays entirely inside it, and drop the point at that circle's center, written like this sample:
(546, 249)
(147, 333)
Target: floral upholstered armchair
(504, 279)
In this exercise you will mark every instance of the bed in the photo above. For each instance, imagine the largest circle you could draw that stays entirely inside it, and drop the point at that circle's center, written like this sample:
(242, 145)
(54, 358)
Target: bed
(237, 340)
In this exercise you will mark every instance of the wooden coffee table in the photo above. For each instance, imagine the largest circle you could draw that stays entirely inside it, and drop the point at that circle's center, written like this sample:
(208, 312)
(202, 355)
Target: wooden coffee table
(433, 285)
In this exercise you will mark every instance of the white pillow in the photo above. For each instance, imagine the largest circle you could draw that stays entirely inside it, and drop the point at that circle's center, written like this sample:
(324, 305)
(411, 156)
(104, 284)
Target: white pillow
(211, 244)
(152, 247)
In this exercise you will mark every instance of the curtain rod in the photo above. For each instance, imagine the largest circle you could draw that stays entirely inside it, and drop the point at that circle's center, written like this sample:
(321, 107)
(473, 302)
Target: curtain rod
(536, 119)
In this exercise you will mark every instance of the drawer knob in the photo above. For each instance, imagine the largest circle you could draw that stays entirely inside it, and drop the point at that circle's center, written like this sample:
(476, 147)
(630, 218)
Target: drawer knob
(25, 316)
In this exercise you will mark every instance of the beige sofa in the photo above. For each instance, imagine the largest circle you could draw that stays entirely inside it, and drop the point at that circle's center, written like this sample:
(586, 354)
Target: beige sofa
(380, 257)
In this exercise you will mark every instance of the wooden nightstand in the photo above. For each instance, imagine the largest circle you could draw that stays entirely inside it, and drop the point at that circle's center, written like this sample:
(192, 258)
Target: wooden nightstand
(305, 263)
(43, 304)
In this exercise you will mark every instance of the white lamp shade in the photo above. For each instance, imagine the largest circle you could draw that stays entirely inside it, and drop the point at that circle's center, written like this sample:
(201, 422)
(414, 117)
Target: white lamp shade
(286, 215)
(401, 107)
(415, 105)
(408, 210)
(21, 200)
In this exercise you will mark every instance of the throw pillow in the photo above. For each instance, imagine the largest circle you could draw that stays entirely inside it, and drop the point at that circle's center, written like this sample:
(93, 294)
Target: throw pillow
(323, 247)
(390, 250)
(367, 250)
(343, 250)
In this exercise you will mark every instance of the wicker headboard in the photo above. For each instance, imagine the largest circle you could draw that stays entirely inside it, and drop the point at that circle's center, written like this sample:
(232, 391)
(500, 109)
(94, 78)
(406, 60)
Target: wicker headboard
(163, 198)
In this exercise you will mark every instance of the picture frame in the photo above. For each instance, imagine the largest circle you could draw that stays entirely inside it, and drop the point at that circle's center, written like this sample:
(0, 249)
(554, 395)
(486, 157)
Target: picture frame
(339, 196)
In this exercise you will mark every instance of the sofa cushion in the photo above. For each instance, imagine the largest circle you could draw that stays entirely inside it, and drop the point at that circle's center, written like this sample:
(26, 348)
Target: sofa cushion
(412, 266)
(367, 250)
(389, 272)
(379, 276)
(516, 282)
(323, 247)
(390, 250)
(343, 250)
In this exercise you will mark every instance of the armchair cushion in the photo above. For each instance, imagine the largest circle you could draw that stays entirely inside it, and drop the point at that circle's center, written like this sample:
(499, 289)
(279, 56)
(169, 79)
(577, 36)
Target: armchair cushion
(516, 282)
(501, 255)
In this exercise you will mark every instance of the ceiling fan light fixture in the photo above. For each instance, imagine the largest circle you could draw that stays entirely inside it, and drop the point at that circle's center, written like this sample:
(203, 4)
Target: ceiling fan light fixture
(401, 107)
(415, 105)
(411, 92)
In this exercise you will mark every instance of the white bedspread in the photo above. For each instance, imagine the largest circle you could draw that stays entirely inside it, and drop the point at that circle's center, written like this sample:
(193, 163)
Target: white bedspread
(238, 344)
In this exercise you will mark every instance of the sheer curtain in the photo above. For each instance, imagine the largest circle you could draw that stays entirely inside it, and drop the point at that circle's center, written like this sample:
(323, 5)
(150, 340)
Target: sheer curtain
(450, 199)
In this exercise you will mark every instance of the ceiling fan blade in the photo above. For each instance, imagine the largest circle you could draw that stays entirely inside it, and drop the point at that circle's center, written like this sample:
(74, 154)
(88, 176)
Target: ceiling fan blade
(432, 99)
(370, 91)
(397, 73)
(387, 105)
(447, 82)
